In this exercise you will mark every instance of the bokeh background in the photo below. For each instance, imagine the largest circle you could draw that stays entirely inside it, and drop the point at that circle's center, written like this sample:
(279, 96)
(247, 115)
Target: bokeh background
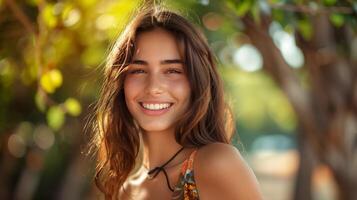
(289, 69)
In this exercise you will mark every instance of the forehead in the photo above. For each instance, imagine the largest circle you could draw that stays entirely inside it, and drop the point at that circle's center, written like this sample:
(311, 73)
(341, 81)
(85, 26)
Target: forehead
(158, 43)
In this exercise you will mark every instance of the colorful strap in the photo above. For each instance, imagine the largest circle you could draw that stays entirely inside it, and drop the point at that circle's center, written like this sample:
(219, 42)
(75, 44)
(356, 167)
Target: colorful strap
(188, 164)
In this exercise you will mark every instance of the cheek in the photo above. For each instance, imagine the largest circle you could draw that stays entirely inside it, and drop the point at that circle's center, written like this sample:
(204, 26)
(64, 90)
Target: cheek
(131, 87)
(129, 91)
(126, 89)
(182, 90)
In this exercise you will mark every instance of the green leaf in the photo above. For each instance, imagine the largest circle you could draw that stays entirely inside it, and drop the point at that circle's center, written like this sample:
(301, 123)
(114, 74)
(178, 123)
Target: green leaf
(278, 15)
(243, 8)
(48, 16)
(231, 5)
(51, 80)
(55, 117)
(56, 77)
(329, 2)
(73, 106)
(305, 28)
(7, 73)
(337, 20)
(32, 2)
(46, 83)
(93, 55)
(71, 16)
(87, 3)
(40, 102)
(256, 13)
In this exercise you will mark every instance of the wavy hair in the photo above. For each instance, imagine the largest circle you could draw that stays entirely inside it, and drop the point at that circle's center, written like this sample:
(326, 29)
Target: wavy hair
(116, 140)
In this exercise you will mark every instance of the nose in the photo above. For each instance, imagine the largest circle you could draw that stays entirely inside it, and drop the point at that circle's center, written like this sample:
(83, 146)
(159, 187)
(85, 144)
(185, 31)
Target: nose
(155, 84)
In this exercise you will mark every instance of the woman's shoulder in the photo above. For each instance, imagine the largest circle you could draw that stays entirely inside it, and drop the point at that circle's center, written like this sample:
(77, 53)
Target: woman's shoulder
(221, 172)
(218, 156)
(217, 149)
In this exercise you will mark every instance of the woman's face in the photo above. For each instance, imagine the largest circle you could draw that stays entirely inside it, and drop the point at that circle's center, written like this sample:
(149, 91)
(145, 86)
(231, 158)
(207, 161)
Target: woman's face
(157, 91)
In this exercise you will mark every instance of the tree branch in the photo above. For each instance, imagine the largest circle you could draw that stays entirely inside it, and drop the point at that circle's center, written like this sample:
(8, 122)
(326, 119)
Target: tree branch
(313, 10)
(20, 15)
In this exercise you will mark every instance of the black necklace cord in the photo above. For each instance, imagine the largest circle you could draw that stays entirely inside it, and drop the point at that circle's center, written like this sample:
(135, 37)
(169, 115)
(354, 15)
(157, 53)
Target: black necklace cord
(167, 180)
(154, 172)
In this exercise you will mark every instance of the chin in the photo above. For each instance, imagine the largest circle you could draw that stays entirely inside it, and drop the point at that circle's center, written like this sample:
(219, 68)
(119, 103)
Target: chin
(155, 127)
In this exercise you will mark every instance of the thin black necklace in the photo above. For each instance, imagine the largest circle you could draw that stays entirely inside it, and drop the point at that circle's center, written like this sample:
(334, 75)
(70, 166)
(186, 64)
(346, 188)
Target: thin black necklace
(154, 172)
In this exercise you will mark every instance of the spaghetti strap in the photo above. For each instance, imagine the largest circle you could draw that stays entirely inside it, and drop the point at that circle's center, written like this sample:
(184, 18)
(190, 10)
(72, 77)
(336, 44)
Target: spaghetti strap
(188, 164)
(186, 187)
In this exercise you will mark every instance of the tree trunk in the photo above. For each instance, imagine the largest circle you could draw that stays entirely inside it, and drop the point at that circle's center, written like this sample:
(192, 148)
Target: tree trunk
(304, 174)
(326, 111)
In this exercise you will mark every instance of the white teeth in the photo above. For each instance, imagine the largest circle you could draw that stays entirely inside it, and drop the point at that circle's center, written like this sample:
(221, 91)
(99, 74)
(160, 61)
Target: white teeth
(156, 106)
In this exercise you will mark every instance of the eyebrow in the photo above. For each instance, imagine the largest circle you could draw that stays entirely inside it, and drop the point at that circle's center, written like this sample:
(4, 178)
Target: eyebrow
(168, 61)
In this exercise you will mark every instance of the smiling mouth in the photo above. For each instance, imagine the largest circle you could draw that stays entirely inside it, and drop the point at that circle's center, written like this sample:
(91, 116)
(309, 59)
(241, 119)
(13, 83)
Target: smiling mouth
(155, 106)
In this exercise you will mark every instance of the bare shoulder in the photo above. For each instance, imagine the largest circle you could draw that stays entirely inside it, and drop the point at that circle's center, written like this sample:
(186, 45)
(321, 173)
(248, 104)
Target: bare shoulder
(219, 157)
(222, 173)
(218, 152)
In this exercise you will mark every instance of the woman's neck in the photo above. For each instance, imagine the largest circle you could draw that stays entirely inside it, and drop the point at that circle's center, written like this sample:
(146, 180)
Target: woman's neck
(159, 147)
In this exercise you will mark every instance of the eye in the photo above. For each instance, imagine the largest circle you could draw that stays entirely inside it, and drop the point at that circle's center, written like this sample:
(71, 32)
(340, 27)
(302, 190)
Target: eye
(136, 71)
(174, 71)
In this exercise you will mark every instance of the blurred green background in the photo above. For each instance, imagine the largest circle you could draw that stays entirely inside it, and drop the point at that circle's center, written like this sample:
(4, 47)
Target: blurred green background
(289, 69)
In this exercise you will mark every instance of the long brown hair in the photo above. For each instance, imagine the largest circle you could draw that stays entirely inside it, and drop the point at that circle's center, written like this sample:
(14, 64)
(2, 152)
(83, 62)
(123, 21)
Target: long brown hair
(116, 139)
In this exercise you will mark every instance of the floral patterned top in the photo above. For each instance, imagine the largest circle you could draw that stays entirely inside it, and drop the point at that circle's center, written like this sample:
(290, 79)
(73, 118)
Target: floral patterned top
(186, 188)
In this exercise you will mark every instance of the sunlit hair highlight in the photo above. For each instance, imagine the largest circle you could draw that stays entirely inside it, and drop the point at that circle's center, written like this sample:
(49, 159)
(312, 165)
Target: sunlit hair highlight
(116, 140)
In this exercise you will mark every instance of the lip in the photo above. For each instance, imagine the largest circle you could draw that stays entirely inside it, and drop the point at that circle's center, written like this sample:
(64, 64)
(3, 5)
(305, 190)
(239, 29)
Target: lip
(155, 112)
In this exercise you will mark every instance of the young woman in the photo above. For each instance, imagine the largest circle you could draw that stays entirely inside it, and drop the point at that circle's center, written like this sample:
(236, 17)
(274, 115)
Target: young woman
(162, 128)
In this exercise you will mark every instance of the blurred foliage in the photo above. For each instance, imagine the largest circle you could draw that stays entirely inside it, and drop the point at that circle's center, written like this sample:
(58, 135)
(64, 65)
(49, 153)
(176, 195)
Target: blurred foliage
(51, 59)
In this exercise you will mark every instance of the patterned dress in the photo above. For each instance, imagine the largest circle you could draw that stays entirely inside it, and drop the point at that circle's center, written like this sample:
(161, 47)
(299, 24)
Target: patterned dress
(186, 188)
